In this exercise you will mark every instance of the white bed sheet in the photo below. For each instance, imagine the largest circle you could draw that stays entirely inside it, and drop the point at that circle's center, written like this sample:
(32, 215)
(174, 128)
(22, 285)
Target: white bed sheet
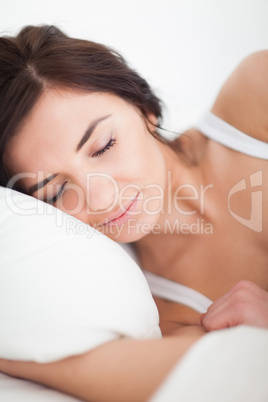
(17, 390)
(230, 365)
(224, 366)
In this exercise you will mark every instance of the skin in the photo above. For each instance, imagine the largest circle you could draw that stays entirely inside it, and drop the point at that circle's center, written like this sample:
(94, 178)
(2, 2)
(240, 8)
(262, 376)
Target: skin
(57, 123)
(228, 265)
(118, 371)
(234, 258)
(47, 144)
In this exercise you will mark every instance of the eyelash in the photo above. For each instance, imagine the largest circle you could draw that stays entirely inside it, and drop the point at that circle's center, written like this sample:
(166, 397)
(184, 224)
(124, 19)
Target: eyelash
(97, 154)
(58, 196)
(110, 144)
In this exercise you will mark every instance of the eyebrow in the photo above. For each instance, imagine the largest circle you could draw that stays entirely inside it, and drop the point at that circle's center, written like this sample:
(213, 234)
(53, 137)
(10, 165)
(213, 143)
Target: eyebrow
(41, 184)
(83, 140)
(90, 130)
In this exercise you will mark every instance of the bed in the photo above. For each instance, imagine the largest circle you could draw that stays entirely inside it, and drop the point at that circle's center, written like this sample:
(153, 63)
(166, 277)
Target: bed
(44, 318)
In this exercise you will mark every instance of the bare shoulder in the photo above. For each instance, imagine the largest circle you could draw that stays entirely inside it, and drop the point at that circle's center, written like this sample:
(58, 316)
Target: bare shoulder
(243, 99)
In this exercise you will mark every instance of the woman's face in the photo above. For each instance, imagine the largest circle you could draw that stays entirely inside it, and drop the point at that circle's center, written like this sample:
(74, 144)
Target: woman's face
(92, 156)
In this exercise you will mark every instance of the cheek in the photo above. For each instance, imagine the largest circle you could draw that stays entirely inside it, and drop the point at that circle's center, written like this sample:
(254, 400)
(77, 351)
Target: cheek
(140, 159)
(72, 203)
(147, 170)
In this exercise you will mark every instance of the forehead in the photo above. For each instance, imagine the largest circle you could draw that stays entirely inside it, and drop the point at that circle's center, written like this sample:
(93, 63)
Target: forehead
(59, 109)
(57, 121)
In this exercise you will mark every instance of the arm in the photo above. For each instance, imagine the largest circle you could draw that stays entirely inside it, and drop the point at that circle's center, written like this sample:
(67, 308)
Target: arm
(118, 371)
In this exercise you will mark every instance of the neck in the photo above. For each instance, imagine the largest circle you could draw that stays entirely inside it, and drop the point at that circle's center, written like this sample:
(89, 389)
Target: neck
(184, 195)
(186, 184)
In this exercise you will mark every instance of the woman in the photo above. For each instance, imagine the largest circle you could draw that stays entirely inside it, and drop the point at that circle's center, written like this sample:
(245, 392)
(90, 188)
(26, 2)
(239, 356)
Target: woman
(79, 130)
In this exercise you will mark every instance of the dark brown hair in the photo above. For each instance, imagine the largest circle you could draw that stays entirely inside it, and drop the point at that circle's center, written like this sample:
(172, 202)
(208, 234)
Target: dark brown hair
(41, 57)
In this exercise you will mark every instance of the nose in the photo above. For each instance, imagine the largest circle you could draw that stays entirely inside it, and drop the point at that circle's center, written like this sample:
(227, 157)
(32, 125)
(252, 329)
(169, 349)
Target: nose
(101, 192)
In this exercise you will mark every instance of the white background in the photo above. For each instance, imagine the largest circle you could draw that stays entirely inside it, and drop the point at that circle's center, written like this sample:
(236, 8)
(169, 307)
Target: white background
(184, 48)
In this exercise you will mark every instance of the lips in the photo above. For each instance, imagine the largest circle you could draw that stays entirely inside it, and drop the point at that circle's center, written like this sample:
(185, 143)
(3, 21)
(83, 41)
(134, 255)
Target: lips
(122, 214)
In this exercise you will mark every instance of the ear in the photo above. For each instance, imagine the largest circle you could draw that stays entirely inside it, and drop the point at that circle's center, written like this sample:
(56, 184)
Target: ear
(151, 122)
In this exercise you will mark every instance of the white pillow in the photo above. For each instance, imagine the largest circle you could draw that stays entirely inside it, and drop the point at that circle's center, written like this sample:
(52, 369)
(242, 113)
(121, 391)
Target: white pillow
(229, 365)
(64, 287)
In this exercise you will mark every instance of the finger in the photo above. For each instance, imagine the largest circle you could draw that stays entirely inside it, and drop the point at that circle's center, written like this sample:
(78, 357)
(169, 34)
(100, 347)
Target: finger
(202, 316)
(6, 366)
(16, 368)
(243, 290)
(213, 319)
(216, 307)
(231, 315)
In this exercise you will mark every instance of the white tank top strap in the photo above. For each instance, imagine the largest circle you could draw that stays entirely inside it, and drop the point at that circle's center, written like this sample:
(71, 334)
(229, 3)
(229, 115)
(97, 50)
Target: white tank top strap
(175, 292)
(218, 130)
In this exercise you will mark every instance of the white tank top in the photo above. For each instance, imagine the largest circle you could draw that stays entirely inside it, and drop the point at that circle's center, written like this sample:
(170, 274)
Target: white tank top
(218, 130)
(176, 292)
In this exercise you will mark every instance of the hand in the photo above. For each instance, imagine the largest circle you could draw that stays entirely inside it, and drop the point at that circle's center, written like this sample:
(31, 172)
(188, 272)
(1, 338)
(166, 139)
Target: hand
(20, 369)
(245, 303)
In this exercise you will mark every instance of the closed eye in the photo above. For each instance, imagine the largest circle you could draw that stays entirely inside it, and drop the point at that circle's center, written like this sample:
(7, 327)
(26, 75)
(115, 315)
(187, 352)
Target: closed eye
(110, 144)
(99, 153)
(57, 196)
